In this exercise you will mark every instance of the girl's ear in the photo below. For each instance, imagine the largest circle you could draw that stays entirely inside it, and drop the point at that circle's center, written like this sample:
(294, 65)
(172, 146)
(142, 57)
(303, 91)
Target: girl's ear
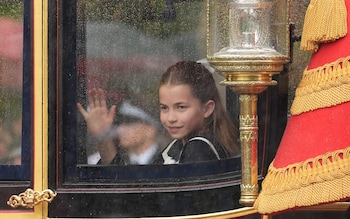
(209, 108)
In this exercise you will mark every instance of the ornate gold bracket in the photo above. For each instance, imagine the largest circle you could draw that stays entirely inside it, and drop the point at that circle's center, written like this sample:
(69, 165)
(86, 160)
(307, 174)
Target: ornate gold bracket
(248, 79)
(30, 198)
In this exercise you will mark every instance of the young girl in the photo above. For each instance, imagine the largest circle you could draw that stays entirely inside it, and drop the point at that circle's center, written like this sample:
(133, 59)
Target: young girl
(192, 112)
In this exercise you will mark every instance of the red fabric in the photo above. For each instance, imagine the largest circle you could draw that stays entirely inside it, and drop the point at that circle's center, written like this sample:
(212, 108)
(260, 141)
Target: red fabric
(323, 130)
(314, 133)
(330, 52)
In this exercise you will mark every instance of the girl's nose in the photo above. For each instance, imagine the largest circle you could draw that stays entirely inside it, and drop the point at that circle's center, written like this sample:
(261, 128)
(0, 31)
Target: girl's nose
(171, 116)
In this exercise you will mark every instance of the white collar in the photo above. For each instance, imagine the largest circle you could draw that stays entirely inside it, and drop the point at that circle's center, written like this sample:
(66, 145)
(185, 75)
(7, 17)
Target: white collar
(145, 157)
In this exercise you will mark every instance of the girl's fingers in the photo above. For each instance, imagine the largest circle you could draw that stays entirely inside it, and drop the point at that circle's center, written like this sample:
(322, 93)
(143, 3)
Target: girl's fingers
(91, 99)
(111, 113)
(96, 96)
(81, 109)
(102, 98)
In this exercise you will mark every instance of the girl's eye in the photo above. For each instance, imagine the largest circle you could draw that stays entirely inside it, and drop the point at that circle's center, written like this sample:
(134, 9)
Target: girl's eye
(163, 108)
(182, 107)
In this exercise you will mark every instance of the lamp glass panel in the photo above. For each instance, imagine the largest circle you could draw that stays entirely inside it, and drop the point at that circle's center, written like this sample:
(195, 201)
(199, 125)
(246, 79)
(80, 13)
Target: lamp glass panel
(248, 27)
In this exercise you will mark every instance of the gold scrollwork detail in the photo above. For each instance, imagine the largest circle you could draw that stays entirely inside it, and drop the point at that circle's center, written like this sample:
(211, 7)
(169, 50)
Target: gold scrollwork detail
(244, 67)
(249, 188)
(248, 135)
(248, 120)
(243, 98)
(30, 198)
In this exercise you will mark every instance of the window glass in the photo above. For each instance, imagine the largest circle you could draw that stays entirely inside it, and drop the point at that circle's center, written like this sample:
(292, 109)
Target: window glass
(15, 90)
(123, 47)
(11, 44)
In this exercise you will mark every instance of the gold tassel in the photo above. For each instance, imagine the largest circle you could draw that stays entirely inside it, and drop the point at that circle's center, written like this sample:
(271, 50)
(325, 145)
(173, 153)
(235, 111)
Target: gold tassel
(299, 185)
(325, 21)
(325, 86)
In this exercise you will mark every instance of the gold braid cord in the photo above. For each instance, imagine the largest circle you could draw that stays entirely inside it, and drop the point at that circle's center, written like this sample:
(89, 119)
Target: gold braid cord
(325, 86)
(325, 21)
(30, 198)
(322, 179)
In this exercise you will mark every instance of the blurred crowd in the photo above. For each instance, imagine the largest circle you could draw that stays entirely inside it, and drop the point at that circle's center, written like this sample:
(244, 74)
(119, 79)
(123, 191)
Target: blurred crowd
(10, 142)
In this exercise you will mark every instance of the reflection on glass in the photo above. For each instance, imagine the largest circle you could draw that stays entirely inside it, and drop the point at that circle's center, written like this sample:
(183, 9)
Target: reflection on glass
(125, 47)
(11, 46)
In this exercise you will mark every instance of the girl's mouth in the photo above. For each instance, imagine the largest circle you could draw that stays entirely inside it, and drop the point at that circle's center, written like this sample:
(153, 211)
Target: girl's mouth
(173, 129)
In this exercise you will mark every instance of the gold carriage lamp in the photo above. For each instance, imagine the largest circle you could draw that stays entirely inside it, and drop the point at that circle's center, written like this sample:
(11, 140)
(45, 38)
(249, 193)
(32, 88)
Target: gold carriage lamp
(248, 41)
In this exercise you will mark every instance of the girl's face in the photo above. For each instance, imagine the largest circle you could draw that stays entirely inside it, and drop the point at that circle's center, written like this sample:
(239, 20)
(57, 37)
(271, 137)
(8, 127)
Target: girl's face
(180, 112)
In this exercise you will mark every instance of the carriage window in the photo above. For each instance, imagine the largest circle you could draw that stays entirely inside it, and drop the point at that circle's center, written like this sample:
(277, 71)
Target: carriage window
(14, 92)
(112, 55)
(116, 51)
(115, 56)
(123, 48)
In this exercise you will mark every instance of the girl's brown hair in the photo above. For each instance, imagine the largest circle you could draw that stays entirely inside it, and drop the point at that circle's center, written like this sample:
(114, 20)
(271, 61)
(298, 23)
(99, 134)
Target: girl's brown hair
(204, 88)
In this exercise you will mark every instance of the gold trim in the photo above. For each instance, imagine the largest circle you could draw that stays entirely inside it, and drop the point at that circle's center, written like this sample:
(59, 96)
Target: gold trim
(245, 211)
(325, 86)
(30, 198)
(338, 206)
(318, 180)
(253, 66)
